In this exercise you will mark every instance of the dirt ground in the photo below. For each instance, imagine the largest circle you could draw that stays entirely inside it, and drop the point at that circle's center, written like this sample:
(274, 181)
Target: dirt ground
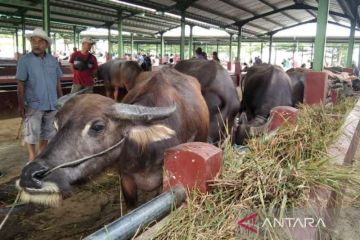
(96, 204)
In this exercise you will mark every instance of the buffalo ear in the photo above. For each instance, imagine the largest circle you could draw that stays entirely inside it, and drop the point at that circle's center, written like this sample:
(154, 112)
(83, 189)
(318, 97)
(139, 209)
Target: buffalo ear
(144, 135)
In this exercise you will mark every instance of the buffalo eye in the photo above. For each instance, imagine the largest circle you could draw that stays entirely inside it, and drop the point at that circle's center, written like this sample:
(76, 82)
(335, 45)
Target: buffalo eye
(97, 127)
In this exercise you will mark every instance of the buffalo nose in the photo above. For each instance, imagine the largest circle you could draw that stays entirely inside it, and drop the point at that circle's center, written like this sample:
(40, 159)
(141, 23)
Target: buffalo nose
(32, 175)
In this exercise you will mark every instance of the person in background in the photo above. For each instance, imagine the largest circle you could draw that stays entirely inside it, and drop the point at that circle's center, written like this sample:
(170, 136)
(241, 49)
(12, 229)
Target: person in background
(257, 61)
(215, 57)
(199, 53)
(171, 58)
(38, 76)
(205, 55)
(84, 66)
(245, 67)
(355, 70)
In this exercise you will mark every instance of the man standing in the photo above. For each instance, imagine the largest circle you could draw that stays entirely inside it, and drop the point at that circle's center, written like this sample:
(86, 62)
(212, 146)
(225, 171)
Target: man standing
(38, 76)
(355, 70)
(84, 66)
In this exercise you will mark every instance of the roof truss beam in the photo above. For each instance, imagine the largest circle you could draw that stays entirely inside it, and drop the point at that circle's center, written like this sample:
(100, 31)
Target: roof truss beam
(291, 26)
(296, 6)
(182, 5)
(342, 25)
(346, 8)
(283, 13)
(235, 5)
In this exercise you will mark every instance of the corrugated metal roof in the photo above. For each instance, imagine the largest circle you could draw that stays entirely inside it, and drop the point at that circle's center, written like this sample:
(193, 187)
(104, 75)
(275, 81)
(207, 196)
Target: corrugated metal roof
(258, 17)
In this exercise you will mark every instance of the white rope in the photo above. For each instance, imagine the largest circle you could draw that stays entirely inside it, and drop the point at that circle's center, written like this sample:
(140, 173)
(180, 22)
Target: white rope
(81, 160)
(10, 211)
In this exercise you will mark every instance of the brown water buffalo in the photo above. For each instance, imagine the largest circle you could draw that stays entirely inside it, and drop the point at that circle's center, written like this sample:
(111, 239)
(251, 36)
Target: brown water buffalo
(264, 87)
(103, 73)
(218, 90)
(161, 110)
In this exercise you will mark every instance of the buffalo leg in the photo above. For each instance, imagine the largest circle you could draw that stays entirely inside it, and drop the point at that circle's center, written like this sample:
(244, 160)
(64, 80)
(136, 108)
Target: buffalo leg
(129, 189)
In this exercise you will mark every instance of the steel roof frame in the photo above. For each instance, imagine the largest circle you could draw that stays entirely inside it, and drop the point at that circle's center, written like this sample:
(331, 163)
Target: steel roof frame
(110, 10)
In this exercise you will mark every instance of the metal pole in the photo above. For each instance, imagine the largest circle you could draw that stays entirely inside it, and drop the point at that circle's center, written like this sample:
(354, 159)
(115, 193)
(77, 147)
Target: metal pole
(270, 47)
(320, 39)
(120, 37)
(182, 38)
(23, 33)
(132, 44)
(46, 19)
(127, 226)
(78, 38)
(230, 47)
(217, 47)
(191, 42)
(109, 41)
(312, 52)
(162, 45)
(261, 50)
(359, 57)
(239, 43)
(332, 55)
(54, 43)
(74, 36)
(351, 44)
(17, 41)
(13, 42)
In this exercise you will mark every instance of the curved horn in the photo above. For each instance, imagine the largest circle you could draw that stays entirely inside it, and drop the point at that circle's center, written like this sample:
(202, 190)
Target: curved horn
(142, 113)
(61, 101)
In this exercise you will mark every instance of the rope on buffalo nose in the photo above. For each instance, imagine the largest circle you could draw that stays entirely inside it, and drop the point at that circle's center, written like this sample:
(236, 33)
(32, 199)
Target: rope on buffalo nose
(10, 211)
(81, 160)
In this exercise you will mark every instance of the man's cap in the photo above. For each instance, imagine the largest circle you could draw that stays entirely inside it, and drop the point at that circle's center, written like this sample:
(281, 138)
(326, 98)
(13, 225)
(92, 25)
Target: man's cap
(39, 32)
(87, 40)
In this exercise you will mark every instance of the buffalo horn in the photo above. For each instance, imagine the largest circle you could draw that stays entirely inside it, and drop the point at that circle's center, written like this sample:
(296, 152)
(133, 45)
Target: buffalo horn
(142, 113)
(61, 101)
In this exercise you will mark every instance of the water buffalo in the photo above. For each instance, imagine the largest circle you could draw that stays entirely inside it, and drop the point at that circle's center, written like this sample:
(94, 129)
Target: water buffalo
(103, 73)
(160, 111)
(218, 90)
(297, 79)
(264, 87)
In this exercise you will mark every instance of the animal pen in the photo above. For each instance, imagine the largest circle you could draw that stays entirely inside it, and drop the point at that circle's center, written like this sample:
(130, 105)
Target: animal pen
(305, 159)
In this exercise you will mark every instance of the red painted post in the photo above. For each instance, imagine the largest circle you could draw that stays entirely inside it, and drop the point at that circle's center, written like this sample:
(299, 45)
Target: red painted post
(229, 66)
(315, 89)
(192, 165)
(237, 68)
(282, 114)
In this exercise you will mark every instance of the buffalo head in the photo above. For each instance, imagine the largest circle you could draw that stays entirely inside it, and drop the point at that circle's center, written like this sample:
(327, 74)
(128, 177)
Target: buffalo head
(89, 124)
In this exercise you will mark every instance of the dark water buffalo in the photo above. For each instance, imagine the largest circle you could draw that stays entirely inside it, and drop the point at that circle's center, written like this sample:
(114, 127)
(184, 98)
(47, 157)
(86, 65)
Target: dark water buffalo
(103, 73)
(218, 90)
(265, 87)
(160, 111)
(297, 79)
